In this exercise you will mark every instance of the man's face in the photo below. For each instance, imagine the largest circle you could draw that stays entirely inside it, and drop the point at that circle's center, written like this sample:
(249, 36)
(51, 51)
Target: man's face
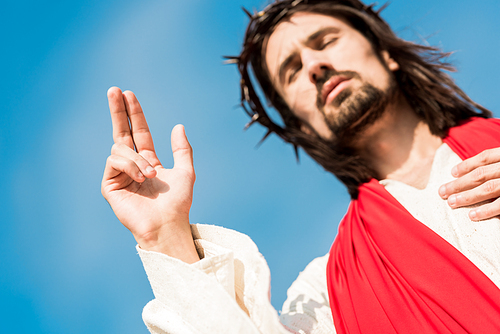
(327, 72)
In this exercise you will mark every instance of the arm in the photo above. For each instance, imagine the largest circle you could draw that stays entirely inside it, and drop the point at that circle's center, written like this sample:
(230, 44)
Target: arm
(233, 273)
(154, 203)
(478, 180)
(226, 292)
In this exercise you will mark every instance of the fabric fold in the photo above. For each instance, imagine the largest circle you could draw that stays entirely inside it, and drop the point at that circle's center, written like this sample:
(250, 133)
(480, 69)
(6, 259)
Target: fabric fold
(389, 273)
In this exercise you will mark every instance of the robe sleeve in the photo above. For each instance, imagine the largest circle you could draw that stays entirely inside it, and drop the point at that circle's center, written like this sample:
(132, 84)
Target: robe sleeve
(307, 307)
(228, 290)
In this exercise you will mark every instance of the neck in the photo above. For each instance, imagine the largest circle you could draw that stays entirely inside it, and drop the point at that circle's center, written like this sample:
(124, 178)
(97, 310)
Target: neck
(400, 146)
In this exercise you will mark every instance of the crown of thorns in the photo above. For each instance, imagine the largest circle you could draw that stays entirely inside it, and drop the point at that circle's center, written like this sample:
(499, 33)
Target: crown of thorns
(260, 25)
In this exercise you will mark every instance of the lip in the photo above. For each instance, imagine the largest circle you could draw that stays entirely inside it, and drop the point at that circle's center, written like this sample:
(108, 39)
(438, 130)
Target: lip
(332, 88)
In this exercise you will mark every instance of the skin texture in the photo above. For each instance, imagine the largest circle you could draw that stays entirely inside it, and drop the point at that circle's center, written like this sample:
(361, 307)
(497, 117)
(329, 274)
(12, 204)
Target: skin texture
(478, 180)
(151, 201)
(299, 52)
(295, 64)
(154, 202)
(304, 49)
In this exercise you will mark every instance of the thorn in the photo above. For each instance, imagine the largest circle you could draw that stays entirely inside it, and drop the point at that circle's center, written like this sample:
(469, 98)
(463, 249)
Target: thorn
(255, 117)
(231, 61)
(247, 12)
(296, 149)
(264, 138)
(384, 6)
(247, 96)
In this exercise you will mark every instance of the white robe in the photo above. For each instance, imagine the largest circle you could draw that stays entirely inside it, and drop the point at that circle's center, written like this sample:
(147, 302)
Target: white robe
(228, 290)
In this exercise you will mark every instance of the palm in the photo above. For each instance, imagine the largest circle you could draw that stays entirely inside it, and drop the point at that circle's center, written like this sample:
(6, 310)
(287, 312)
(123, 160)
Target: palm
(167, 197)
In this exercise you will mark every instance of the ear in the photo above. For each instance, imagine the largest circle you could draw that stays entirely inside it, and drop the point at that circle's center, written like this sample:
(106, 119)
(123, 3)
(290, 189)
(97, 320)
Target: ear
(389, 62)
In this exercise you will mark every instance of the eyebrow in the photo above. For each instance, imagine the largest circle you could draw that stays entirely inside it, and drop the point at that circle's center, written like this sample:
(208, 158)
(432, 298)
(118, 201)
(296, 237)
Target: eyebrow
(309, 40)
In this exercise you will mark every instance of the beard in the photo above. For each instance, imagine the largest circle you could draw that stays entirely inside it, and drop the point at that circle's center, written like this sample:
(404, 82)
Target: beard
(353, 109)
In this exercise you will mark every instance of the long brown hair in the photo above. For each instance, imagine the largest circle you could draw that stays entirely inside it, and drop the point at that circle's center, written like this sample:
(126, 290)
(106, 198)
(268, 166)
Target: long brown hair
(421, 79)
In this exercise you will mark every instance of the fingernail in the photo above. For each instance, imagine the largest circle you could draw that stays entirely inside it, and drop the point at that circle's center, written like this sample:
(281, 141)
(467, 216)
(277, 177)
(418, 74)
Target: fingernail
(452, 200)
(150, 169)
(442, 190)
(140, 175)
(473, 214)
(454, 171)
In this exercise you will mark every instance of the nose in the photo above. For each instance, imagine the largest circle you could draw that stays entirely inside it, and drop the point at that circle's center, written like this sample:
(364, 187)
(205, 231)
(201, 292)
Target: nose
(315, 64)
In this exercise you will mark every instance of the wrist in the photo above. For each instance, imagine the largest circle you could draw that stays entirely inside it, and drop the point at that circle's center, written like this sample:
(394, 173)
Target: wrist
(176, 243)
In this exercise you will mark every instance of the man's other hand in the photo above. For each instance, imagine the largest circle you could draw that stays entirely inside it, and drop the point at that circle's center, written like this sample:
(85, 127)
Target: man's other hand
(151, 201)
(478, 180)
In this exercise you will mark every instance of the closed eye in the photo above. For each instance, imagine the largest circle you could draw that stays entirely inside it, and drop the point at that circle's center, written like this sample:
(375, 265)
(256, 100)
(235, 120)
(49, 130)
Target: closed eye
(292, 73)
(326, 42)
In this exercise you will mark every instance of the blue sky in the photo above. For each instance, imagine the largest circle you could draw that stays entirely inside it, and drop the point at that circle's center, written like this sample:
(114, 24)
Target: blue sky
(67, 264)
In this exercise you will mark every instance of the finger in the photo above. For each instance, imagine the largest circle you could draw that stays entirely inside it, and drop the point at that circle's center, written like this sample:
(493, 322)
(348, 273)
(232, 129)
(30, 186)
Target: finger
(119, 117)
(181, 149)
(116, 165)
(486, 191)
(484, 158)
(471, 180)
(144, 166)
(485, 211)
(140, 131)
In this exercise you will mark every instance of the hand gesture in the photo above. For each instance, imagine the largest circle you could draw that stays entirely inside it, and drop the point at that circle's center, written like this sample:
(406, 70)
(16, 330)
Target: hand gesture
(151, 201)
(478, 180)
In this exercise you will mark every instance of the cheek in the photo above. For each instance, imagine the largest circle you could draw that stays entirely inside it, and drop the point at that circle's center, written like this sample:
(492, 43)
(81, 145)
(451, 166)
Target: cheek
(375, 69)
(380, 77)
(302, 100)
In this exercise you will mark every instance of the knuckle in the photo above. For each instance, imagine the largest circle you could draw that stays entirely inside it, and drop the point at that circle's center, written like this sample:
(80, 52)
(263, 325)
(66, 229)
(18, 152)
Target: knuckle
(122, 134)
(115, 148)
(491, 154)
(119, 148)
(479, 174)
(103, 191)
(140, 160)
(130, 165)
(462, 167)
(110, 160)
(114, 162)
(484, 156)
(141, 130)
(490, 186)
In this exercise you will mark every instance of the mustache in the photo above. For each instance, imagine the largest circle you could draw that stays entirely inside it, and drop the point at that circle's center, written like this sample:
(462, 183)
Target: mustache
(327, 75)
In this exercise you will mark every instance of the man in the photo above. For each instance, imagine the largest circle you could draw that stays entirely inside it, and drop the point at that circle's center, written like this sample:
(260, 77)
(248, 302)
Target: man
(375, 111)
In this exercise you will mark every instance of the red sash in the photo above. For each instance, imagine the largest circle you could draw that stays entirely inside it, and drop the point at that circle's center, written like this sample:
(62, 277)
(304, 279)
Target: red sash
(389, 273)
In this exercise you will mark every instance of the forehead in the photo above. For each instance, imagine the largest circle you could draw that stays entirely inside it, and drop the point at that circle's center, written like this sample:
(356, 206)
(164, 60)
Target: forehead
(302, 23)
(290, 34)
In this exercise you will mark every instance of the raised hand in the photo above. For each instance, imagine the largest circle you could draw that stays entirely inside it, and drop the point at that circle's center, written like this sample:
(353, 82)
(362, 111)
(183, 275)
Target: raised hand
(478, 180)
(151, 201)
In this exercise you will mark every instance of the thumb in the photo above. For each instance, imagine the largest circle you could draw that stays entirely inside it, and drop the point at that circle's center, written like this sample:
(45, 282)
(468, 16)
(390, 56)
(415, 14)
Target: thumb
(181, 149)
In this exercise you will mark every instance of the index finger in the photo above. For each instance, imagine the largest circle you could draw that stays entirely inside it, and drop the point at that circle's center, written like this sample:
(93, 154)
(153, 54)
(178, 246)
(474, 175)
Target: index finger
(119, 118)
(484, 158)
(139, 127)
(471, 180)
